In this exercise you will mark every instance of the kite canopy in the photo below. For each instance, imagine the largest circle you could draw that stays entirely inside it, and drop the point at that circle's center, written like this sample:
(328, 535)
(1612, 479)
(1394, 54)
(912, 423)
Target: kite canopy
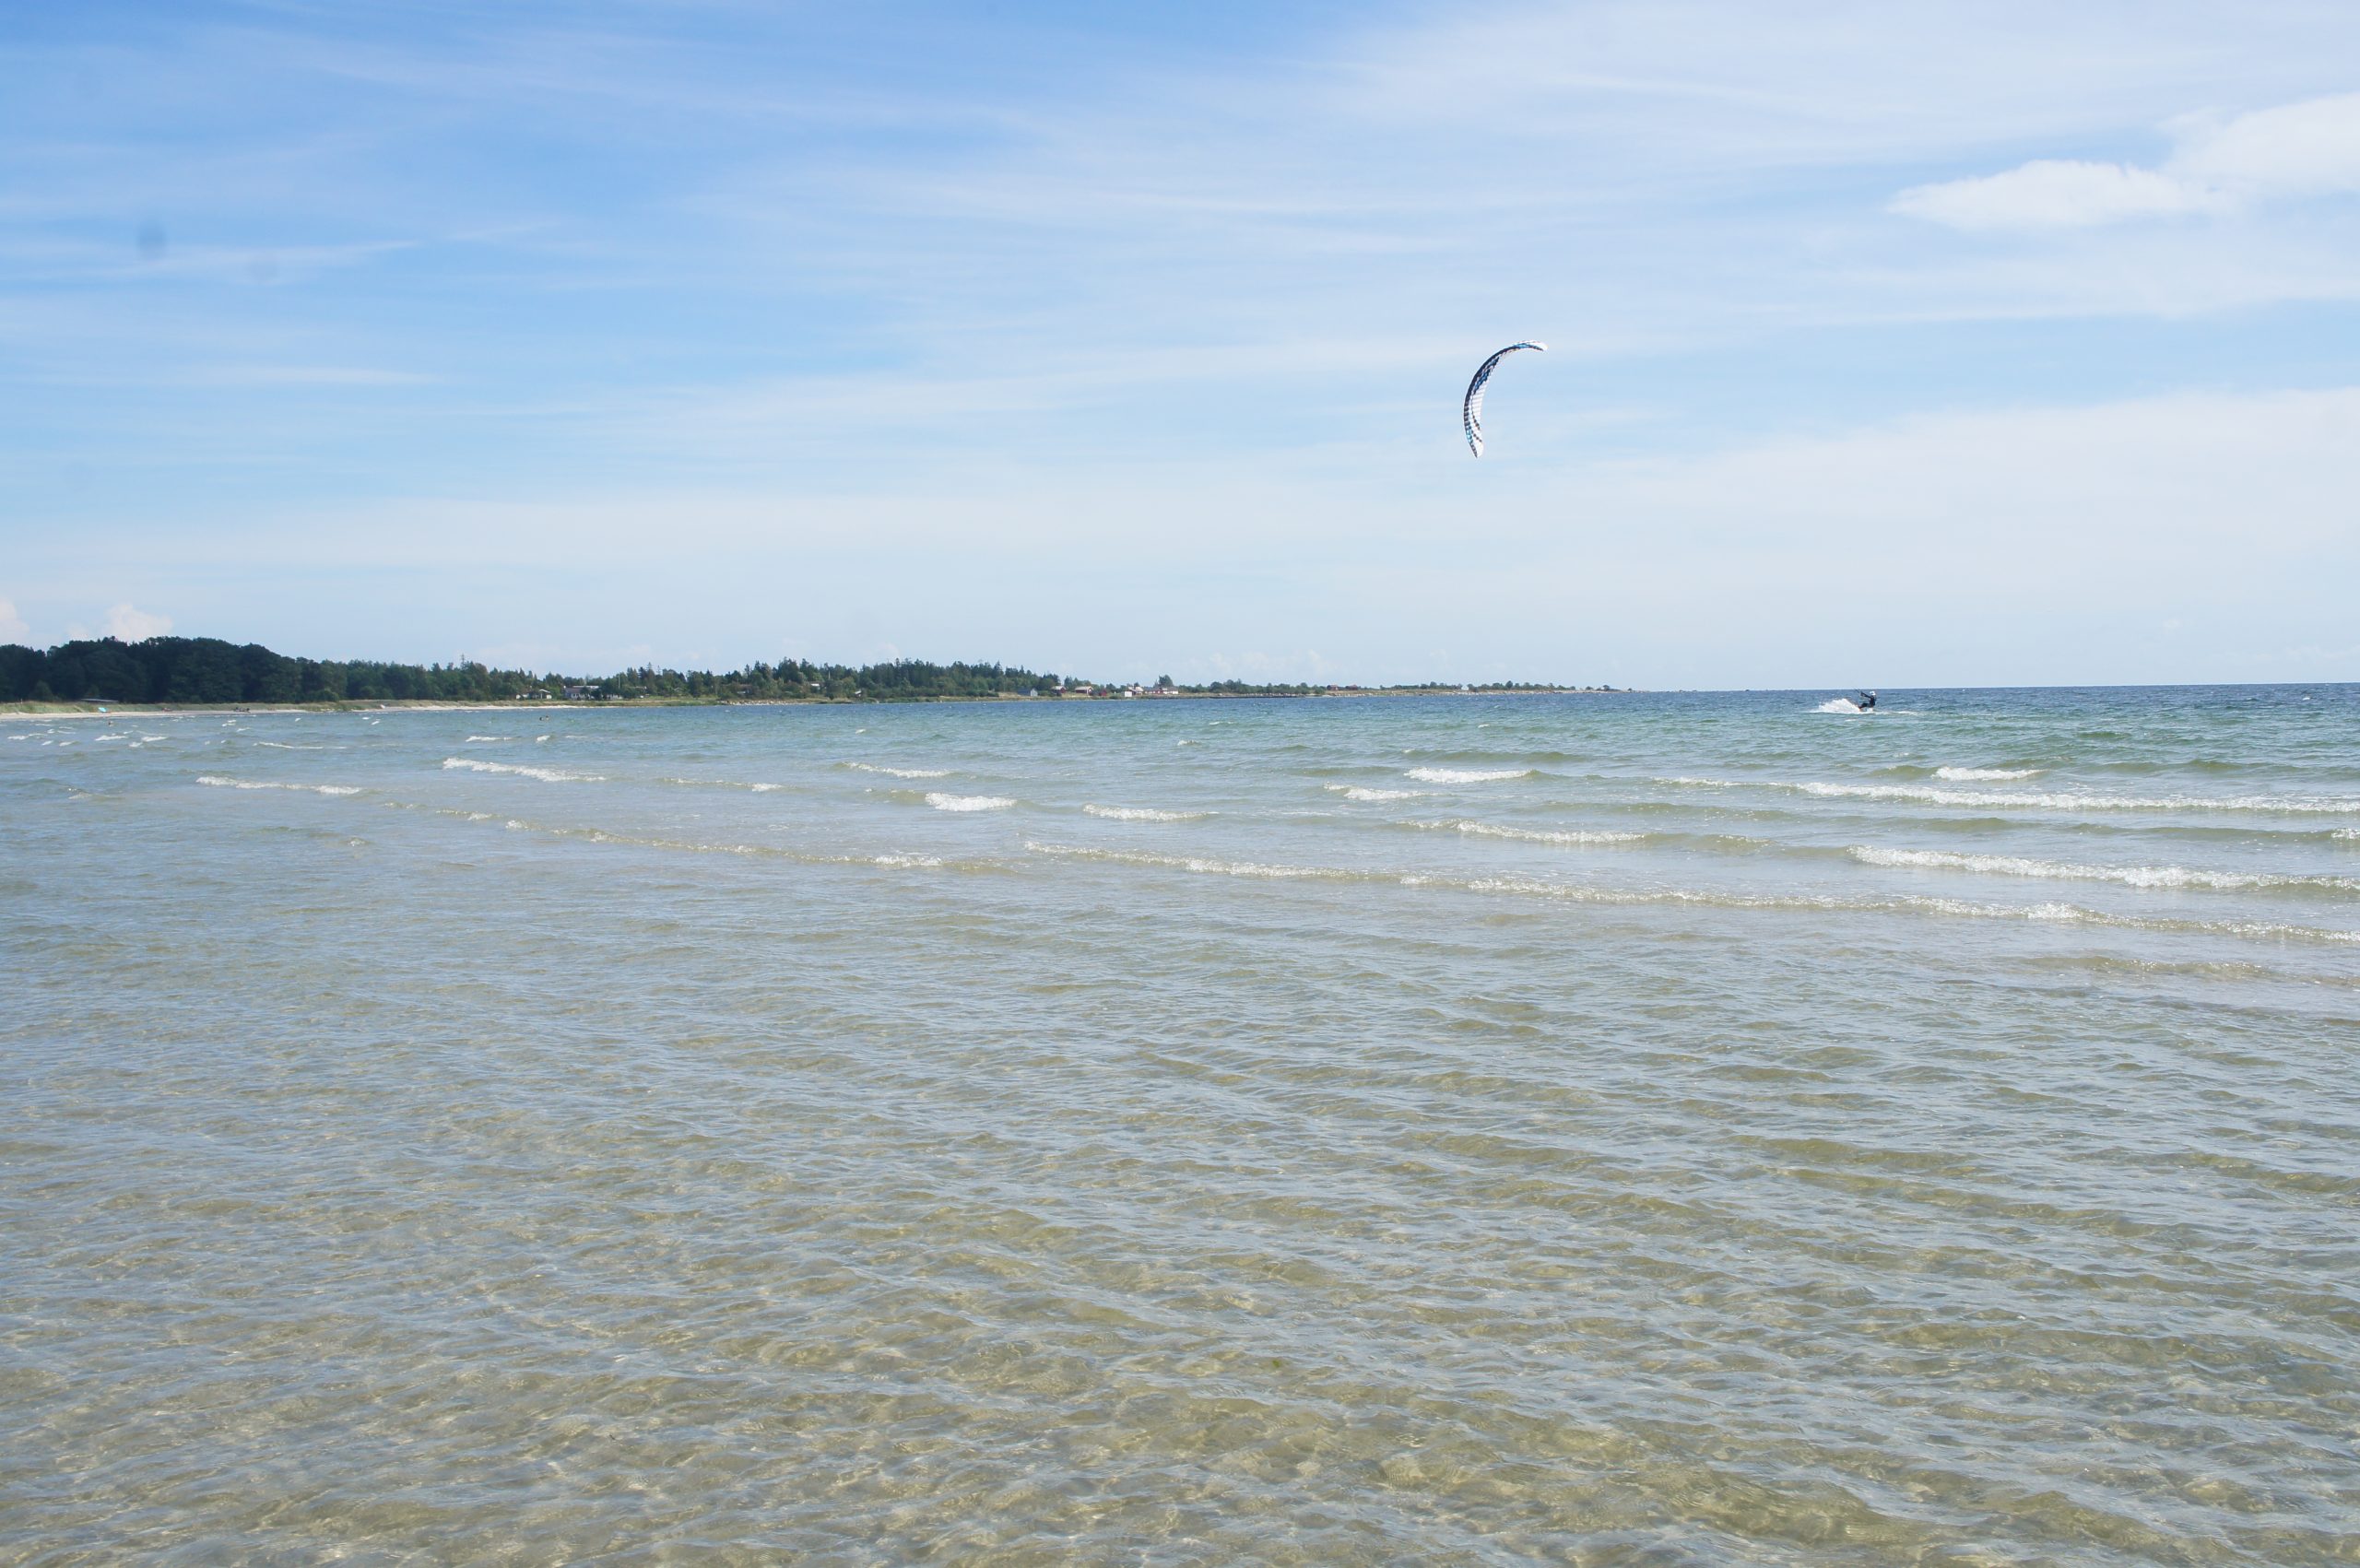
(1473, 410)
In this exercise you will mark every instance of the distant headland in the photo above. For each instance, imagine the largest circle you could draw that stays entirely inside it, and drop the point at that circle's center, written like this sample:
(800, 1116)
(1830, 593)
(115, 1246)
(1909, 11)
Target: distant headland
(208, 672)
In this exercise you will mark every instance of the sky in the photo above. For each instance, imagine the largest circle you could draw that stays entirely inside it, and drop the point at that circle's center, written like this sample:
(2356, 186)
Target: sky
(1890, 344)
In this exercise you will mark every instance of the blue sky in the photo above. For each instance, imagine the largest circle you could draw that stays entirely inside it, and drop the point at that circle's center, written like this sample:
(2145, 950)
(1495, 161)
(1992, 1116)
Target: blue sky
(1893, 343)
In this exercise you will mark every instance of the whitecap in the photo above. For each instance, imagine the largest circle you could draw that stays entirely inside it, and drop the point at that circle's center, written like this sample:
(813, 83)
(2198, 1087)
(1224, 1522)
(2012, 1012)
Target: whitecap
(1839, 705)
(1143, 814)
(901, 772)
(216, 782)
(548, 776)
(1467, 775)
(1203, 865)
(1535, 835)
(2129, 876)
(1986, 775)
(478, 739)
(2073, 800)
(1362, 791)
(943, 802)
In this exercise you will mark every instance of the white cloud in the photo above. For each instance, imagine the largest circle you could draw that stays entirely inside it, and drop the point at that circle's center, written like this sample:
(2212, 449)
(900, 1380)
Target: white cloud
(2296, 151)
(126, 623)
(2057, 193)
(12, 625)
(2299, 149)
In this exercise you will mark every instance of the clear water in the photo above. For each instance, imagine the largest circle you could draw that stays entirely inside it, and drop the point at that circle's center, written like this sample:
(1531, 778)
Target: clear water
(1635, 1129)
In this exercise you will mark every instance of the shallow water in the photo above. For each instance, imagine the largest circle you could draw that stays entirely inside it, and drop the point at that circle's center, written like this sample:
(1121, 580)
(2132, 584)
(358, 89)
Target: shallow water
(1648, 1129)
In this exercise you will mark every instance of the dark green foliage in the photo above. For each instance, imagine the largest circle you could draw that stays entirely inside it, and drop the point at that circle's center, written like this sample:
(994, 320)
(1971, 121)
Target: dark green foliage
(205, 670)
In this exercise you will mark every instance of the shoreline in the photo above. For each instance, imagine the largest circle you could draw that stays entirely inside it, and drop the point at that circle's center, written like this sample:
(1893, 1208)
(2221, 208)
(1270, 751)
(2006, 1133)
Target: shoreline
(92, 708)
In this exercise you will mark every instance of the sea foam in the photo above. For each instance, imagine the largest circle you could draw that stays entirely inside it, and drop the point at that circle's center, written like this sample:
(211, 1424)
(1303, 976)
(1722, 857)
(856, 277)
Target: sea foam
(901, 772)
(1362, 791)
(2129, 876)
(943, 802)
(1143, 814)
(1986, 775)
(220, 782)
(2053, 800)
(547, 775)
(1535, 835)
(1467, 775)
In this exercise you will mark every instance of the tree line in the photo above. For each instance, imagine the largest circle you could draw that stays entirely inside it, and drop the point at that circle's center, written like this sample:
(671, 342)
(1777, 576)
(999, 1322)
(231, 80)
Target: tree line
(206, 670)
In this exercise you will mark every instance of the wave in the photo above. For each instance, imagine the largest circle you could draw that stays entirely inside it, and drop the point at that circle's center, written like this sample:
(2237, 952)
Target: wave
(1523, 756)
(1533, 835)
(895, 860)
(2129, 876)
(1927, 794)
(1467, 775)
(1984, 775)
(1532, 887)
(1143, 814)
(943, 802)
(723, 784)
(217, 782)
(547, 775)
(1361, 792)
(1207, 865)
(476, 738)
(1839, 705)
(901, 773)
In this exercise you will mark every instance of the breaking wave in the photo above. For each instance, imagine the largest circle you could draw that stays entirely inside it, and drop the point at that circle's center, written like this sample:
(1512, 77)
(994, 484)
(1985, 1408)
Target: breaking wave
(1467, 775)
(217, 782)
(1143, 814)
(901, 772)
(547, 775)
(2128, 876)
(1533, 836)
(2054, 800)
(943, 802)
(1362, 791)
(1986, 775)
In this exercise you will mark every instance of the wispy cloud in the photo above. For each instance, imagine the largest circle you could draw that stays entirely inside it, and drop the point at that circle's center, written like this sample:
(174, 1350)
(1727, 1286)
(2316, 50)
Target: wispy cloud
(2221, 165)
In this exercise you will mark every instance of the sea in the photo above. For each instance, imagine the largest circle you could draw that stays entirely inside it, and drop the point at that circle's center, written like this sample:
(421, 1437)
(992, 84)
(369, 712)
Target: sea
(1631, 1128)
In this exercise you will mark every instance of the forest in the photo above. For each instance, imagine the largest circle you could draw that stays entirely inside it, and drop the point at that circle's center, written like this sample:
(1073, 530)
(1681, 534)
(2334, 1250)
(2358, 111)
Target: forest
(206, 670)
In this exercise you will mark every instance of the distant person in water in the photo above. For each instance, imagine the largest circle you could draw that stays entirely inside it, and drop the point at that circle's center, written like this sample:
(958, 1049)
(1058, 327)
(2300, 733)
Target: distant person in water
(1867, 701)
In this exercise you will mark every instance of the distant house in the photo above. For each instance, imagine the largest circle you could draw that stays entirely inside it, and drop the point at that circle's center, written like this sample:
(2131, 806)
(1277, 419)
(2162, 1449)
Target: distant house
(582, 694)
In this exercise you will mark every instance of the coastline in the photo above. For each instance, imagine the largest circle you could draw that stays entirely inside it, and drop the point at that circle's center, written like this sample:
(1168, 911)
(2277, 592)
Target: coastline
(92, 708)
